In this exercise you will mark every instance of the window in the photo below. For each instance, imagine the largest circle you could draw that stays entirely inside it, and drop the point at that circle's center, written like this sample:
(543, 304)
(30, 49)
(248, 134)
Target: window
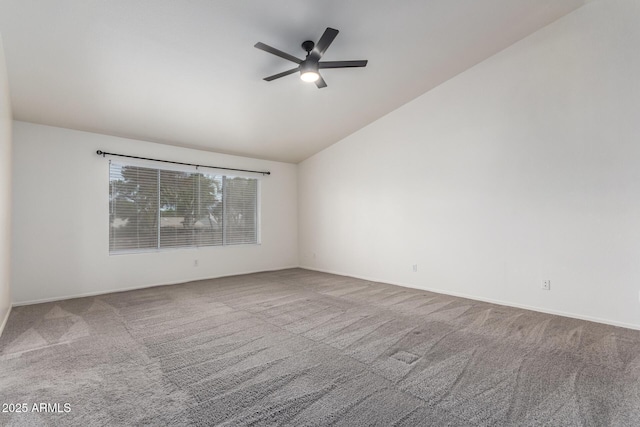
(155, 209)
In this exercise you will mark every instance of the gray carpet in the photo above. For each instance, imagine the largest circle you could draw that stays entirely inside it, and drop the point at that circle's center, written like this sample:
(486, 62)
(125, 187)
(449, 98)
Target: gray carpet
(302, 348)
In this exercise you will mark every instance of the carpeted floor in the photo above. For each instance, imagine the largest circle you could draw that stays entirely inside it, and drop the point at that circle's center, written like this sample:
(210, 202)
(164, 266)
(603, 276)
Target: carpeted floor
(296, 347)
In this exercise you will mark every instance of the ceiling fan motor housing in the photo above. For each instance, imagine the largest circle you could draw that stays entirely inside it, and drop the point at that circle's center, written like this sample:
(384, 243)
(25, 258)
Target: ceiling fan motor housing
(308, 66)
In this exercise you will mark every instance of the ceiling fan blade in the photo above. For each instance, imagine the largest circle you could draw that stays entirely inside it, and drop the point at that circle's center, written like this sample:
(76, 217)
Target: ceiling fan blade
(342, 64)
(324, 42)
(282, 74)
(277, 52)
(320, 82)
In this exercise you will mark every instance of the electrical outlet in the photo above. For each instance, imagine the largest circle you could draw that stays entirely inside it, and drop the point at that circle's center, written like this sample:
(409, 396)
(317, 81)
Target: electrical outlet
(415, 268)
(546, 285)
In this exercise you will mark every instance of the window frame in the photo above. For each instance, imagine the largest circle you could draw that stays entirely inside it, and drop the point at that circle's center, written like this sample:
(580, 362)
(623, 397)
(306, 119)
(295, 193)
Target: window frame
(158, 248)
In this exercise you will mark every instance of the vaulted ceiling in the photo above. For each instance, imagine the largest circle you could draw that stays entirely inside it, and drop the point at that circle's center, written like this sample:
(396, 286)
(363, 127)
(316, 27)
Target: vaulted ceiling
(186, 72)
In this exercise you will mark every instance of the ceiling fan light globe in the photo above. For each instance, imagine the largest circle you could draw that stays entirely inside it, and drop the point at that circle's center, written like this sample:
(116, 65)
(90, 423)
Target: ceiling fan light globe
(309, 76)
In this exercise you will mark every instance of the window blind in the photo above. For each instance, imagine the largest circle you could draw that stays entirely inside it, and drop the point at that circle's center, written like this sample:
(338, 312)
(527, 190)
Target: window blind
(240, 210)
(156, 208)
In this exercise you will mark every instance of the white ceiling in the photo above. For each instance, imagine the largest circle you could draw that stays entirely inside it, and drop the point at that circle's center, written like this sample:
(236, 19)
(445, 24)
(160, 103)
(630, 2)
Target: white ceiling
(186, 72)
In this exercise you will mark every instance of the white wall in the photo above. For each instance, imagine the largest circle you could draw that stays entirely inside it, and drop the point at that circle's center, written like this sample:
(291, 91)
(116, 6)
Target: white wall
(525, 167)
(61, 217)
(5, 192)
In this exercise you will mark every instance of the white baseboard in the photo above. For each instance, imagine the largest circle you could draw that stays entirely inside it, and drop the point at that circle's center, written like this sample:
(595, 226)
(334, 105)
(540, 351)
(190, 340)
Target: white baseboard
(134, 288)
(490, 300)
(4, 321)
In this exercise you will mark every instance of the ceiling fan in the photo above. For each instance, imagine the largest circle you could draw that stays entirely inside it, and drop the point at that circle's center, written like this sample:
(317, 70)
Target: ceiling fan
(310, 67)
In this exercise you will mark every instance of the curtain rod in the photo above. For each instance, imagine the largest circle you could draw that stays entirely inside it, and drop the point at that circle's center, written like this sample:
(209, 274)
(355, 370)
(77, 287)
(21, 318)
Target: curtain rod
(103, 153)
